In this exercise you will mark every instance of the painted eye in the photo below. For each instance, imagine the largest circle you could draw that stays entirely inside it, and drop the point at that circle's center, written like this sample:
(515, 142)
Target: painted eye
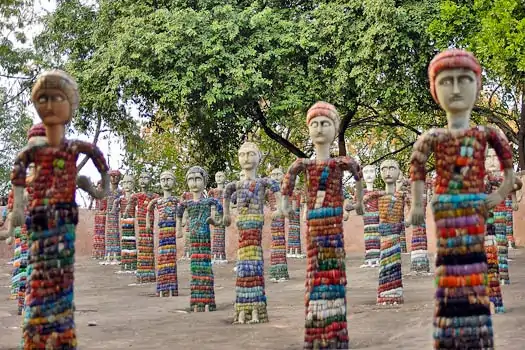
(58, 98)
(42, 99)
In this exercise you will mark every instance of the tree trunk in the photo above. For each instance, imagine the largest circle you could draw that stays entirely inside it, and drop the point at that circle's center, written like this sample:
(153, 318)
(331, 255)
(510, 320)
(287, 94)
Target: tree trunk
(345, 122)
(98, 128)
(521, 134)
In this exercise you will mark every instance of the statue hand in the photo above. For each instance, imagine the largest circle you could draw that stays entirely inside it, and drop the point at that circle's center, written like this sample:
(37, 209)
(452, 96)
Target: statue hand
(346, 216)
(359, 208)
(84, 183)
(9, 240)
(417, 215)
(226, 220)
(179, 233)
(515, 206)
(287, 210)
(184, 222)
(493, 199)
(211, 221)
(277, 214)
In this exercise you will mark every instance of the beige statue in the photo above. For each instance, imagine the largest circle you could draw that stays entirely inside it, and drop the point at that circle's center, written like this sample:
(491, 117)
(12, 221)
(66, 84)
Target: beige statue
(127, 225)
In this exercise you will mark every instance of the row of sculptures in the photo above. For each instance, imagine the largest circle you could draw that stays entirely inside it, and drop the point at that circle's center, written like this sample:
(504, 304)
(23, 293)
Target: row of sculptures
(464, 213)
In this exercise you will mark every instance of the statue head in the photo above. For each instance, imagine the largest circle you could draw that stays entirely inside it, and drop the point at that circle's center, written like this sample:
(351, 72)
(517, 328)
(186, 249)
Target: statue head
(369, 173)
(144, 179)
(55, 96)
(197, 179)
(128, 183)
(220, 177)
(114, 177)
(389, 171)
(249, 156)
(167, 180)
(323, 122)
(455, 80)
(492, 160)
(277, 175)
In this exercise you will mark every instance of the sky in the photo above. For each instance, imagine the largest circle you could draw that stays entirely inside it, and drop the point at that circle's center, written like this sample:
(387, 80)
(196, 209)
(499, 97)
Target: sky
(111, 146)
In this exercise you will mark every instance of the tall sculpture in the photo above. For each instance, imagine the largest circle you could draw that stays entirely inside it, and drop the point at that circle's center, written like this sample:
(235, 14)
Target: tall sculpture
(112, 230)
(145, 245)
(99, 235)
(391, 223)
(218, 248)
(167, 206)
(48, 315)
(201, 213)
(127, 225)
(278, 270)
(250, 301)
(294, 248)
(462, 314)
(500, 214)
(371, 218)
(35, 135)
(325, 299)
(419, 262)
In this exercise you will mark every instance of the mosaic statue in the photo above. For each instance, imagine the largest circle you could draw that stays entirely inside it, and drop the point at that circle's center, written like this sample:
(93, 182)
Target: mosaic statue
(250, 301)
(35, 135)
(278, 270)
(218, 247)
(391, 224)
(294, 247)
(201, 213)
(371, 218)
(419, 262)
(167, 206)
(462, 317)
(145, 244)
(325, 299)
(99, 235)
(128, 241)
(112, 229)
(48, 321)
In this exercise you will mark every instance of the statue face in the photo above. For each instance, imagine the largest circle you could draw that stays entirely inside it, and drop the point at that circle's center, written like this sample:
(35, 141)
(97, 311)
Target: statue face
(52, 107)
(128, 183)
(167, 181)
(195, 182)
(220, 178)
(322, 130)
(144, 180)
(277, 175)
(114, 179)
(369, 173)
(389, 171)
(31, 170)
(456, 90)
(249, 157)
(492, 161)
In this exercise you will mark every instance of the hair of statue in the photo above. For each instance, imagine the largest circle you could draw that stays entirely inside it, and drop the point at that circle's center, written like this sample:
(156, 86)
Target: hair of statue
(251, 145)
(277, 169)
(390, 161)
(128, 176)
(370, 166)
(199, 170)
(324, 109)
(60, 80)
(36, 130)
(115, 173)
(167, 173)
(452, 59)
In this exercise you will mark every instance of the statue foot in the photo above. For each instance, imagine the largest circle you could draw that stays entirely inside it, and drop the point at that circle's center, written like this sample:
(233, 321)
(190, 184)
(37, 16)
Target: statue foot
(255, 317)
(492, 309)
(195, 309)
(207, 308)
(241, 318)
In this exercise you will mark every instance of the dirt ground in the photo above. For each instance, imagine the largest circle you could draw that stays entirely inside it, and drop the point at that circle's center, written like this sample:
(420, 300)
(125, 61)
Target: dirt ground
(132, 317)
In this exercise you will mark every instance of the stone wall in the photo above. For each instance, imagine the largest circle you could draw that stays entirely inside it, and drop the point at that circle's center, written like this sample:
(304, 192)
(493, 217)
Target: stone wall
(353, 235)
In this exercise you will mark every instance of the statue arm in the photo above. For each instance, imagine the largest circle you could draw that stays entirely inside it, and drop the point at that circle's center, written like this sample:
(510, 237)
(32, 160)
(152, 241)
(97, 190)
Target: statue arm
(499, 142)
(180, 212)
(230, 189)
(288, 185)
(420, 153)
(96, 156)
(150, 212)
(131, 204)
(350, 164)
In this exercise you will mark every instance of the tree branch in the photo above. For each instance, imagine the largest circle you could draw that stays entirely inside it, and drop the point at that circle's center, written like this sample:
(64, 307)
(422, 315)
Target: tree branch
(342, 128)
(259, 116)
(95, 140)
(393, 153)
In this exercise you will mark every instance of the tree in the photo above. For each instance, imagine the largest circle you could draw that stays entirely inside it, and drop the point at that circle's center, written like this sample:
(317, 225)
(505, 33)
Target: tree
(494, 30)
(218, 71)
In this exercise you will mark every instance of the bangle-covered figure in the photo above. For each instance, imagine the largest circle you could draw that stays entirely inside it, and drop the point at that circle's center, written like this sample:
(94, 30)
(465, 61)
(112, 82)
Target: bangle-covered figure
(201, 213)
(250, 299)
(218, 248)
(460, 205)
(49, 311)
(325, 299)
(278, 270)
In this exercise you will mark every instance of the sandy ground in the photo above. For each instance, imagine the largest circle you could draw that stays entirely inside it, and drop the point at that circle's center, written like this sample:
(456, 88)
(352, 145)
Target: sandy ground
(132, 317)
